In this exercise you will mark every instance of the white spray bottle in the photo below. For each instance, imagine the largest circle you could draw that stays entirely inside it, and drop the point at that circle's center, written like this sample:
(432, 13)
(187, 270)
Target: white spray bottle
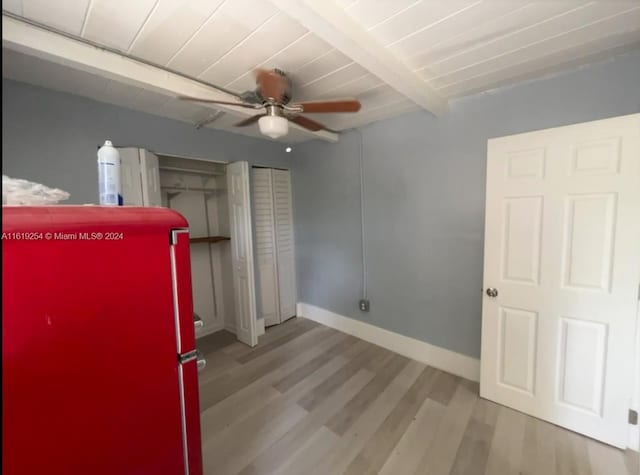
(109, 175)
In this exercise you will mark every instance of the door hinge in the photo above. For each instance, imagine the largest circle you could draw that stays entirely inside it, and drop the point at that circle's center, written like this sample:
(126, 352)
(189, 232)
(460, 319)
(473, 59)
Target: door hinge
(633, 417)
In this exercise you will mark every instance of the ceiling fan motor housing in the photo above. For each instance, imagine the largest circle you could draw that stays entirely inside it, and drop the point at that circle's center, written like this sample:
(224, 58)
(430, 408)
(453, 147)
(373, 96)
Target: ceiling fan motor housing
(287, 93)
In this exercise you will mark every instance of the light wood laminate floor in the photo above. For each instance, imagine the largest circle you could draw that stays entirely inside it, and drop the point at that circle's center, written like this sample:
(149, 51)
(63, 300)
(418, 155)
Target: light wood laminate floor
(309, 400)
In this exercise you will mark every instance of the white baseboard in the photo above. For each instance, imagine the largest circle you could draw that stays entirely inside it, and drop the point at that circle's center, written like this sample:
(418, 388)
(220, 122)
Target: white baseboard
(208, 331)
(260, 326)
(441, 358)
(634, 438)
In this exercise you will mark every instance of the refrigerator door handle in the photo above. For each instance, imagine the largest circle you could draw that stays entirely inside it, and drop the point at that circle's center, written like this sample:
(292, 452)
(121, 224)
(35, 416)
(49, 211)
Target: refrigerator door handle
(189, 356)
(193, 355)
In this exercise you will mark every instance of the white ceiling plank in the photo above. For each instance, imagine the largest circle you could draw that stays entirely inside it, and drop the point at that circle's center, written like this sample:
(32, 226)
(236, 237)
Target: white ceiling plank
(333, 80)
(557, 60)
(417, 17)
(31, 40)
(620, 23)
(169, 27)
(488, 31)
(116, 23)
(463, 20)
(558, 24)
(226, 28)
(291, 58)
(13, 6)
(336, 27)
(370, 13)
(64, 15)
(274, 35)
(347, 72)
(319, 67)
(352, 88)
(346, 3)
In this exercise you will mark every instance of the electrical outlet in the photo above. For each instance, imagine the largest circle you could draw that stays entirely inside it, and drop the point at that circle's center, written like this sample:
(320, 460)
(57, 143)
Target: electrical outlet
(364, 305)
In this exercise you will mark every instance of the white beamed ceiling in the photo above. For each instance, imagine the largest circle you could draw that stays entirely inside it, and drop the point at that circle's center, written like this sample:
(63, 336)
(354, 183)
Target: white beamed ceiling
(457, 47)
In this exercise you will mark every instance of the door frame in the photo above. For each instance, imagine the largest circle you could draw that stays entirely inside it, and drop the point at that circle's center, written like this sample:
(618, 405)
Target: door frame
(257, 328)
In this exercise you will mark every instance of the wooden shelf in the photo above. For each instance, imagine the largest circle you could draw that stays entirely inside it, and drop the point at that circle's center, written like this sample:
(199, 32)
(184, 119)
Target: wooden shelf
(209, 239)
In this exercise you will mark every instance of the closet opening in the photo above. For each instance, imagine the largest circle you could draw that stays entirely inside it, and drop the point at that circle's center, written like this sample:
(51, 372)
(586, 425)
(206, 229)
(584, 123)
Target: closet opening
(197, 189)
(241, 235)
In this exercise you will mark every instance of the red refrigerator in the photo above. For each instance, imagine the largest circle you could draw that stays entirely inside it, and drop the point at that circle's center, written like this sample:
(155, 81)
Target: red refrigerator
(99, 366)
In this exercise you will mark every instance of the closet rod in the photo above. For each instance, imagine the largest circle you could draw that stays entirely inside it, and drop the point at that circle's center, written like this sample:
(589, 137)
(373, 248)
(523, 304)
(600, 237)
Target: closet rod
(178, 188)
(194, 171)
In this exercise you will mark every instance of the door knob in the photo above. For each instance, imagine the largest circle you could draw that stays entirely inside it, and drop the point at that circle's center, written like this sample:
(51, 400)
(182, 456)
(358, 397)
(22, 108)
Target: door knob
(491, 292)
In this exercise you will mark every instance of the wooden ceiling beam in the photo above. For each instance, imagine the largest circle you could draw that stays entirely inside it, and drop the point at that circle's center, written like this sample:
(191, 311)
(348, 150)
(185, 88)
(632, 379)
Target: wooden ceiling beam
(330, 22)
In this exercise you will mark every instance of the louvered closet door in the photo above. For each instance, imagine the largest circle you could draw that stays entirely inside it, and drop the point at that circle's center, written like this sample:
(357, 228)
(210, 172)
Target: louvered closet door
(266, 268)
(284, 243)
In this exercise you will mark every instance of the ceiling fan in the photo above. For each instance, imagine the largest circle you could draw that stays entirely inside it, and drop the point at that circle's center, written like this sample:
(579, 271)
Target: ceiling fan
(273, 97)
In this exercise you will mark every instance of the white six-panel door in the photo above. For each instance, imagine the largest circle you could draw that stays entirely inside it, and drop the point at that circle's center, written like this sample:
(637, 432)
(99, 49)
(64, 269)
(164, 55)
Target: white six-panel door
(562, 252)
(242, 252)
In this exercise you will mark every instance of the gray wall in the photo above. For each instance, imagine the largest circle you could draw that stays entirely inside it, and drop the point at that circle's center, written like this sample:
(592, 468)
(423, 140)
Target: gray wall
(51, 138)
(424, 202)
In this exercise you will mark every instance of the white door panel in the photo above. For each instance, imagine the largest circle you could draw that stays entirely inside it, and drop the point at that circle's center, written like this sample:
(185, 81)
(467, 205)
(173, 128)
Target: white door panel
(283, 214)
(242, 251)
(265, 235)
(561, 247)
(131, 186)
(150, 178)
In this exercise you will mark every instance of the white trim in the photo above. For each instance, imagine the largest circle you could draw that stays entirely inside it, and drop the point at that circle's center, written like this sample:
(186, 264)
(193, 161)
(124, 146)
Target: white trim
(260, 326)
(331, 23)
(441, 358)
(78, 54)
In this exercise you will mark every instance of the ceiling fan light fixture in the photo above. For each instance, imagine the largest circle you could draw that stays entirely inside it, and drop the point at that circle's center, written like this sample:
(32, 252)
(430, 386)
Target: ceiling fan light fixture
(273, 126)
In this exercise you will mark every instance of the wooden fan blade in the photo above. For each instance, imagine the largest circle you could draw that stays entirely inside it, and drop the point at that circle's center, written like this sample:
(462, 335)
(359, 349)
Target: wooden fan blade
(271, 85)
(249, 121)
(211, 101)
(344, 105)
(307, 123)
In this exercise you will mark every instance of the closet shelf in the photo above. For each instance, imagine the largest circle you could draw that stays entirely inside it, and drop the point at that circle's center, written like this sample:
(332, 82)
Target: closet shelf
(209, 239)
